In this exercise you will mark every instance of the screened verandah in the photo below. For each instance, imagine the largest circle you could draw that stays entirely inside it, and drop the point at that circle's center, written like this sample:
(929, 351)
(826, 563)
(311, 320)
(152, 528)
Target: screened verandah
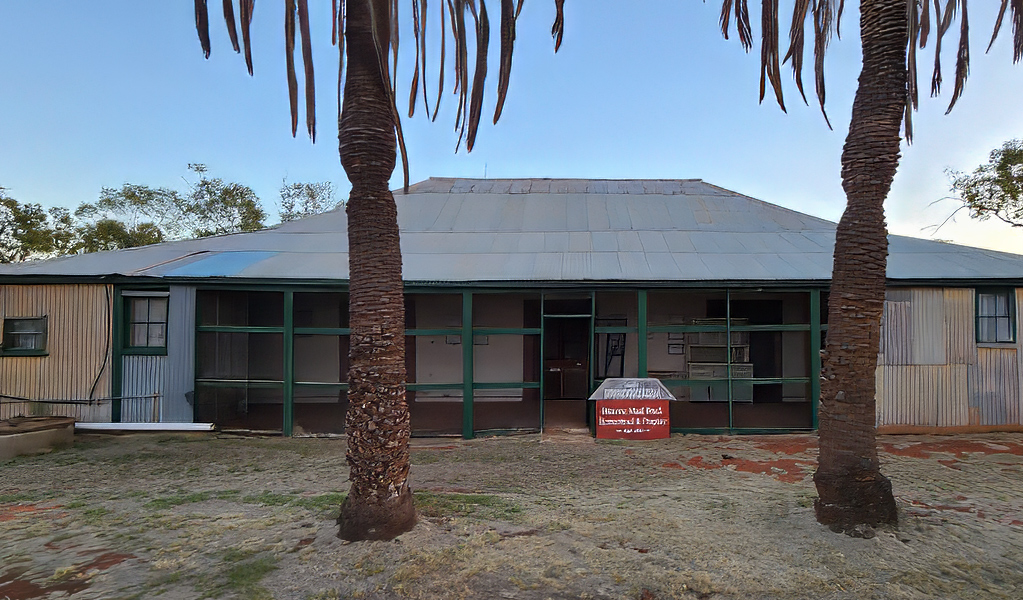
(736, 360)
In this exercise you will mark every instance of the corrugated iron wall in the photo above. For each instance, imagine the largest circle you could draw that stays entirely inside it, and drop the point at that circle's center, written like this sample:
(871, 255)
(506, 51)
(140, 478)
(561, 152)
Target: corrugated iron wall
(77, 366)
(142, 388)
(179, 376)
(932, 374)
(994, 387)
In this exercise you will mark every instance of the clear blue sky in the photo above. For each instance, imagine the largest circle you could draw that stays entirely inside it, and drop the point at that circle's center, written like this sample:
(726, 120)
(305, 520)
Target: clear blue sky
(98, 94)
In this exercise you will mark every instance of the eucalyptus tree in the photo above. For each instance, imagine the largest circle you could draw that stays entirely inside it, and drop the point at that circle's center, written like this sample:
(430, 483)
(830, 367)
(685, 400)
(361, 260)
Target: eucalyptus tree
(851, 489)
(379, 503)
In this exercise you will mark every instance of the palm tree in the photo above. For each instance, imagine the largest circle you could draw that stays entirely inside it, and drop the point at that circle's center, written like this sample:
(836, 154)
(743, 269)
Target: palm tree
(851, 489)
(379, 503)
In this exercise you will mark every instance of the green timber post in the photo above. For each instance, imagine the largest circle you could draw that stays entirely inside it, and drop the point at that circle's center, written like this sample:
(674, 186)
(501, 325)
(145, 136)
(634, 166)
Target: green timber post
(543, 328)
(728, 353)
(641, 333)
(467, 371)
(815, 352)
(116, 350)
(289, 363)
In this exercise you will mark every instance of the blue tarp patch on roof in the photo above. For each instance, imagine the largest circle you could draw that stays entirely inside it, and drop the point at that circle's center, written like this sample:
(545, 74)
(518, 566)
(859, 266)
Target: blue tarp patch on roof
(221, 264)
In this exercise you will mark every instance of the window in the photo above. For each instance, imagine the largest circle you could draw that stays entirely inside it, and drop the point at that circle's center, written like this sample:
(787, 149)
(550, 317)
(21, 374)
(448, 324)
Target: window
(995, 322)
(147, 319)
(24, 336)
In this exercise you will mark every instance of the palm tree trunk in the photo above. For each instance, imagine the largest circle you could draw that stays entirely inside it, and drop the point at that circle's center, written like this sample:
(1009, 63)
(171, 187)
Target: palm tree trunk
(379, 502)
(850, 485)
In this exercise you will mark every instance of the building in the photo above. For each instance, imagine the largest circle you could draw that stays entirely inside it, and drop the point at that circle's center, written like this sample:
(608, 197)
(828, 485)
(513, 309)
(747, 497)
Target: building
(522, 295)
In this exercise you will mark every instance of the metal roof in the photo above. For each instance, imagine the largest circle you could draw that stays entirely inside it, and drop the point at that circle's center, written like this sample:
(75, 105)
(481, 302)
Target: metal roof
(549, 230)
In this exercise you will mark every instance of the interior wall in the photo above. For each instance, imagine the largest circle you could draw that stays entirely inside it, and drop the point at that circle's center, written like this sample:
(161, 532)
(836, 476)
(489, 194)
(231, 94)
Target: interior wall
(498, 358)
(438, 357)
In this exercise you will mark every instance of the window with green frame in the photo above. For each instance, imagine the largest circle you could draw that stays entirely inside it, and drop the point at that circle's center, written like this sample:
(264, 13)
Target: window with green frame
(996, 315)
(145, 321)
(24, 336)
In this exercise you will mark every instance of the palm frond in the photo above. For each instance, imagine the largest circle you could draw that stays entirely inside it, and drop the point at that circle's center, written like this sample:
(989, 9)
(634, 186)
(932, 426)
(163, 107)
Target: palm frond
(825, 20)
(453, 14)
(507, 44)
(414, 86)
(924, 17)
(962, 56)
(725, 19)
(796, 37)
(942, 25)
(247, 7)
(440, 74)
(769, 65)
(480, 75)
(232, 31)
(1017, 27)
(558, 29)
(458, 8)
(289, 57)
(742, 24)
(307, 63)
(202, 26)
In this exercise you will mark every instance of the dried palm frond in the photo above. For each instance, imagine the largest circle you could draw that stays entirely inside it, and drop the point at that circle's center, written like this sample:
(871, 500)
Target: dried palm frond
(414, 86)
(307, 63)
(289, 58)
(202, 26)
(769, 67)
(558, 29)
(508, 16)
(454, 15)
(232, 31)
(827, 16)
(480, 74)
(246, 7)
(796, 35)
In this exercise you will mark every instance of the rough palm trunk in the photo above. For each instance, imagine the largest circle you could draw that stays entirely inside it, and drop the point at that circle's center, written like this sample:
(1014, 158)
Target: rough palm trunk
(379, 503)
(850, 485)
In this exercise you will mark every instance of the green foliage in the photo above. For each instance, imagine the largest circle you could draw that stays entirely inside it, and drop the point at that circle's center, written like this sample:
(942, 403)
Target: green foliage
(995, 189)
(135, 215)
(217, 208)
(300, 200)
(25, 232)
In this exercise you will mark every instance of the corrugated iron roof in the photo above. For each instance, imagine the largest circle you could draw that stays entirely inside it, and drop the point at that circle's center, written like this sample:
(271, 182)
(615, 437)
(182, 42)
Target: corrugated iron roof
(549, 230)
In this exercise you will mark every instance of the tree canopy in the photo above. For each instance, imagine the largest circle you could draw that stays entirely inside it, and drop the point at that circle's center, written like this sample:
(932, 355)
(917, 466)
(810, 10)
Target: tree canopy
(137, 215)
(994, 189)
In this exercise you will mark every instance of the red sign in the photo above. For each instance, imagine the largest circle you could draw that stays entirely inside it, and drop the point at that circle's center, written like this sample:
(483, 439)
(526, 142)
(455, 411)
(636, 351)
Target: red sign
(633, 419)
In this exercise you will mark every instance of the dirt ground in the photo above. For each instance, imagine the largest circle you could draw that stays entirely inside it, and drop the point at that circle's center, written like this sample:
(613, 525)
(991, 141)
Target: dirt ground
(517, 517)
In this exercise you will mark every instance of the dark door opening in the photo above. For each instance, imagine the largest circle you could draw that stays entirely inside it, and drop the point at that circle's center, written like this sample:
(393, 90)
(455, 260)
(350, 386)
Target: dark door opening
(566, 371)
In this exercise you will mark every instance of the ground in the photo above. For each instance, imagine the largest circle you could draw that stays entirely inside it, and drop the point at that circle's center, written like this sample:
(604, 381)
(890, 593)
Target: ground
(517, 517)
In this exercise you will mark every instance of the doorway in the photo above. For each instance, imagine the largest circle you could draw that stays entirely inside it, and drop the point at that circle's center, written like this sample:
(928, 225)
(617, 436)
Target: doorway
(566, 361)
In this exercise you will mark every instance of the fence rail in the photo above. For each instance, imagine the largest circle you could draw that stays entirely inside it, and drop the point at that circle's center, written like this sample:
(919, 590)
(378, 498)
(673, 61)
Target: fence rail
(134, 409)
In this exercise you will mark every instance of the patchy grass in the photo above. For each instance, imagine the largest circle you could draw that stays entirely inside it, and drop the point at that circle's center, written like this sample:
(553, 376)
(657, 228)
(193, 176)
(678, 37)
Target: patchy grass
(433, 504)
(166, 502)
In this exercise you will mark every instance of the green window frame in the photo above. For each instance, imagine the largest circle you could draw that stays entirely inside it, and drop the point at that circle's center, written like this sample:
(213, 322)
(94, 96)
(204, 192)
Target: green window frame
(24, 336)
(145, 322)
(996, 315)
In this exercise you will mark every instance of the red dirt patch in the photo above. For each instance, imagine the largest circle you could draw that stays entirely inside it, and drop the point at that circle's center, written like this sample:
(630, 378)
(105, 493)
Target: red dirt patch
(950, 463)
(951, 446)
(786, 470)
(9, 512)
(15, 586)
